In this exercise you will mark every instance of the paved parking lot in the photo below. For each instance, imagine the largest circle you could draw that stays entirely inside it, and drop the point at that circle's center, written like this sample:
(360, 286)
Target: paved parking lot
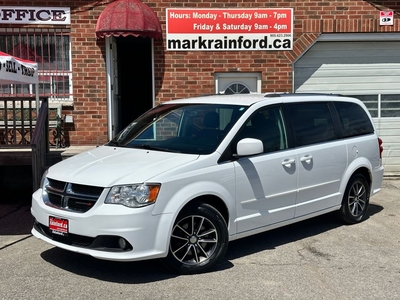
(315, 259)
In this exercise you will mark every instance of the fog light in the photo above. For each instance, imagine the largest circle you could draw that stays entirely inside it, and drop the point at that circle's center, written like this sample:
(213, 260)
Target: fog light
(122, 243)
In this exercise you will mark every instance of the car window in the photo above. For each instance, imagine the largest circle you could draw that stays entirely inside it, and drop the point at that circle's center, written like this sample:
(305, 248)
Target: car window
(189, 128)
(353, 119)
(266, 125)
(311, 122)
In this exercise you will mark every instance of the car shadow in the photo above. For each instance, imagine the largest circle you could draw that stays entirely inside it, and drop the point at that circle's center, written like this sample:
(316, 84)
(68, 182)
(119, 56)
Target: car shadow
(269, 240)
(119, 272)
(153, 270)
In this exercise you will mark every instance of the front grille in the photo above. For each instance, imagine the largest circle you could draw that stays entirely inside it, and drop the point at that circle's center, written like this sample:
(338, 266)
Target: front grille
(58, 185)
(80, 204)
(86, 189)
(55, 199)
(69, 196)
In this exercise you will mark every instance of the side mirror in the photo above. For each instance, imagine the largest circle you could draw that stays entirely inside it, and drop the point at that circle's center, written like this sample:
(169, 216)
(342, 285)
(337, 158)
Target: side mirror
(248, 146)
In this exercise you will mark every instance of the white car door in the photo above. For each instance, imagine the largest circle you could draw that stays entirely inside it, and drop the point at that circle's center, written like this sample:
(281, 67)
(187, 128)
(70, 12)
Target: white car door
(266, 184)
(322, 159)
(321, 168)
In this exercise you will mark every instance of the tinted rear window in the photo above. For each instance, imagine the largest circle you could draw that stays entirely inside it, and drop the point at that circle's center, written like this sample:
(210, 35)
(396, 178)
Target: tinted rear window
(353, 118)
(312, 123)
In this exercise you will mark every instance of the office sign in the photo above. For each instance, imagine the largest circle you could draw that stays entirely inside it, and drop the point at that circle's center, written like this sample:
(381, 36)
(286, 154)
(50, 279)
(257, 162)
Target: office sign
(35, 15)
(229, 29)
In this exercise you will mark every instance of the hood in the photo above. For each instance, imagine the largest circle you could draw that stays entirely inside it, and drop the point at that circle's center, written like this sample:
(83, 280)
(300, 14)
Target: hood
(106, 166)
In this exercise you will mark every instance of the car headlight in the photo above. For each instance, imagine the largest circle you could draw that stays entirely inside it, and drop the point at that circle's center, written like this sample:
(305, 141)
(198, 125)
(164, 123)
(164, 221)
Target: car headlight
(44, 180)
(133, 195)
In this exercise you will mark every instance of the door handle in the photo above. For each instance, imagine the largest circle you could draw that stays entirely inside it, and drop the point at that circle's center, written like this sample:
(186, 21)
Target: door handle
(306, 159)
(288, 162)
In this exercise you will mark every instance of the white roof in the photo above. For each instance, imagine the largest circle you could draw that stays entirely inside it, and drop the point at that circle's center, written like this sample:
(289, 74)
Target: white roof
(249, 99)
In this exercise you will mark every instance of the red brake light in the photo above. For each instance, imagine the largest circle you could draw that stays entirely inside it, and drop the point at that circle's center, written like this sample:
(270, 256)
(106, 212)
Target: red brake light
(380, 147)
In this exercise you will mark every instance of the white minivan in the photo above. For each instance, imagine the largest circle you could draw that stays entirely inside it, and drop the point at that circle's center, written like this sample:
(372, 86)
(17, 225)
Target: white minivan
(190, 175)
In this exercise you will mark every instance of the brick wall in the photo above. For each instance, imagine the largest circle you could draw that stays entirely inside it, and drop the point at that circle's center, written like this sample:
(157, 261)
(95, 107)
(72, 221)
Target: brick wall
(89, 76)
(311, 18)
(182, 74)
(88, 65)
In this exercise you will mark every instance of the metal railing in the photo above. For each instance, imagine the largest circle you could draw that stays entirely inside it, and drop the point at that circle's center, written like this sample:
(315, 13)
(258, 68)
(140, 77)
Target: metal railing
(17, 121)
(23, 127)
(40, 144)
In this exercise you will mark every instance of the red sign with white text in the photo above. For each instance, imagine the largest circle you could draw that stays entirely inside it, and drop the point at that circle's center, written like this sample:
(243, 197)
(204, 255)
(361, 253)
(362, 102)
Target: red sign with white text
(229, 29)
(58, 226)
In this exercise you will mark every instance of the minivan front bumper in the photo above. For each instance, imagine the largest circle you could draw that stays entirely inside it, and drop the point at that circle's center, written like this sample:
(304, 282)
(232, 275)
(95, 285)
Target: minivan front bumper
(101, 232)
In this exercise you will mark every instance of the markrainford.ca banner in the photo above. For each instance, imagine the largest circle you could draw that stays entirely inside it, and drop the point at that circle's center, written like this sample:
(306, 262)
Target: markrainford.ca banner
(229, 29)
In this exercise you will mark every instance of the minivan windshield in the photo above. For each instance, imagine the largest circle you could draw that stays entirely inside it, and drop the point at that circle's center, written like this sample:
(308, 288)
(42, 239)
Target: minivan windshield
(182, 128)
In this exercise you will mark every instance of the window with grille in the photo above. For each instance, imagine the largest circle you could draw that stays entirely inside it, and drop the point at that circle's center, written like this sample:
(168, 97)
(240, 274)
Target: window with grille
(381, 105)
(50, 48)
(237, 83)
(237, 88)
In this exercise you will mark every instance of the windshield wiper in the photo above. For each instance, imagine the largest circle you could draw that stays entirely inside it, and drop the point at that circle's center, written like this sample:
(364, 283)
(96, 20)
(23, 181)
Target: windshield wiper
(113, 143)
(149, 147)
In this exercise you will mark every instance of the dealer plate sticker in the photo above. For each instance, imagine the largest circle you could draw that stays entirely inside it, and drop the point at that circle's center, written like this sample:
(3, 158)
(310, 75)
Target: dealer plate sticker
(58, 226)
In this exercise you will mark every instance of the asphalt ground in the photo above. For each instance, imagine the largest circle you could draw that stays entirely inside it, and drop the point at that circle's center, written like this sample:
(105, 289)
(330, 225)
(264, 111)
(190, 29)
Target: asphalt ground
(316, 259)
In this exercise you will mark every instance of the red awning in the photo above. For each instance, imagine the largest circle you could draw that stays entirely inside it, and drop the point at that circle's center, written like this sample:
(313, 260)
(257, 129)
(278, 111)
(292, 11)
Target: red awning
(128, 17)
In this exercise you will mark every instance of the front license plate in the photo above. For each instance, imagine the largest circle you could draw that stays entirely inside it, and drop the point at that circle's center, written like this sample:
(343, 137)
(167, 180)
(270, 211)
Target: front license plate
(58, 226)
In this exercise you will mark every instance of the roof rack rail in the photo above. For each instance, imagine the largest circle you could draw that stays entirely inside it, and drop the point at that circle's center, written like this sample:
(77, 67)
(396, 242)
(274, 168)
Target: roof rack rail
(272, 95)
(206, 95)
(300, 94)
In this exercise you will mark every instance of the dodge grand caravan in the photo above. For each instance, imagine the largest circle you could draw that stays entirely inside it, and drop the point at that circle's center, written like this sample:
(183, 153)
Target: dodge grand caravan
(190, 175)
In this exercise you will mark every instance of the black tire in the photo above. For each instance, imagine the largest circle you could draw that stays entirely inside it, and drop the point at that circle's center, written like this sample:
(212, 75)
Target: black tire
(355, 200)
(198, 241)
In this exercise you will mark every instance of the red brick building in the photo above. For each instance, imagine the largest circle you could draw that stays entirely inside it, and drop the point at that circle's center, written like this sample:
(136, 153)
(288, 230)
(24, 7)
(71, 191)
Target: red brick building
(103, 81)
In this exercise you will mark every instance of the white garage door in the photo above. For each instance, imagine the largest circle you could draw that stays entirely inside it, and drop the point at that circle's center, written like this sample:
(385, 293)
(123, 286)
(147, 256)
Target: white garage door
(366, 69)
(351, 68)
